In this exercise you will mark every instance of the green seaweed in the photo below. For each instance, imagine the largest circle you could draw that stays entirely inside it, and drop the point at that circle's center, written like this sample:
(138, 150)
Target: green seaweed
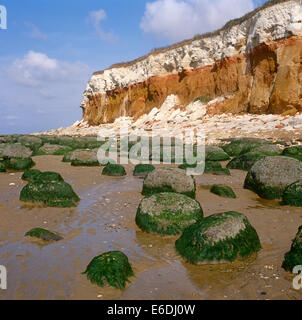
(110, 268)
(50, 193)
(169, 220)
(195, 246)
(245, 162)
(114, 170)
(293, 258)
(2, 167)
(293, 195)
(293, 152)
(223, 191)
(18, 164)
(31, 174)
(142, 169)
(43, 234)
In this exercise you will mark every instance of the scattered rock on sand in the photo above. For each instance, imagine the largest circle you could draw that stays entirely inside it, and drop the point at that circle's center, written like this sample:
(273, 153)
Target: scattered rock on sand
(169, 180)
(110, 268)
(167, 213)
(219, 238)
(294, 257)
(223, 191)
(270, 176)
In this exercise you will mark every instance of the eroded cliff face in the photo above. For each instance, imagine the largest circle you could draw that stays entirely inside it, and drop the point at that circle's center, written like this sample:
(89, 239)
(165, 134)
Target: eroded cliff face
(256, 66)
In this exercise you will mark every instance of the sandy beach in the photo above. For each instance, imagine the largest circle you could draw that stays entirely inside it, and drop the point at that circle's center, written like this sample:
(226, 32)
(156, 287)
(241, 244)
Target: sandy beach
(105, 220)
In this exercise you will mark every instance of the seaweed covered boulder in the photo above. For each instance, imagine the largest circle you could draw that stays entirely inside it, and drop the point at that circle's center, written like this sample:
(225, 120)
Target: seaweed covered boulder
(270, 176)
(211, 167)
(30, 175)
(223, 191)
(169, 180)
(19, 164)
(293, 152)
(49, 193)
(142, 170)
(214, 153)
(49, 176)
(240, 146)
(219, 238)
(84, 158)
(53, 149)
(167, 213)
(32, 142)
(114, 170)
(43, 234)
(292, 195)
(110, 269)
(293, 258)
(268, 149)
(245, 162)
(16, 150)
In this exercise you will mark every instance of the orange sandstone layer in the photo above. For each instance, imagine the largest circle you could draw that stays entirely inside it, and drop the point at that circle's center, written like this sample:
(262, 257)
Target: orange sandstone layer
(266, 80)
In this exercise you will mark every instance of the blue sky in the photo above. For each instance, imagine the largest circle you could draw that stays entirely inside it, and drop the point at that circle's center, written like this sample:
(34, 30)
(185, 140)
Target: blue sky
(51, 48)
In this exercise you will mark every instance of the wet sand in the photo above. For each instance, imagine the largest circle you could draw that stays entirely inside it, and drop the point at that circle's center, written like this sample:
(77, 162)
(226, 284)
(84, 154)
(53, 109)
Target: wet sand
(105, 220)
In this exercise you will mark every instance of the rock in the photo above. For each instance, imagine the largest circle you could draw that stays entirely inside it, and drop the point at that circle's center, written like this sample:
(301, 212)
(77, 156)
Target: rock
(270, 176)
(49, 176)
(51, 194)
(43, 234)
(142, 170)
(245, 162)
(114, 170)
(241, 146)
(19, 164)
(167, 213)
(223, 191)
(219, 238)
(294, 257)
(16, 151)
(2, 146)
(268, 149)
(32, 142)
(53, 149)
(30, 175)
(293, 152)
(292, 195)
(214, 153)
(169, 180)
(211, 167)
(110, 268)
(84, 158)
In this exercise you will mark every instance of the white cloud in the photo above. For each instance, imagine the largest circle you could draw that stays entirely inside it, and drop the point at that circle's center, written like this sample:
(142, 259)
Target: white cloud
(34, 32)
(95, 17)
(177, 20)
(36, 69)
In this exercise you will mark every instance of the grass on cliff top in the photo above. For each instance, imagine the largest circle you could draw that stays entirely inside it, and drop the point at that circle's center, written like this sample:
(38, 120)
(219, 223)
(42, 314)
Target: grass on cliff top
(226, 27)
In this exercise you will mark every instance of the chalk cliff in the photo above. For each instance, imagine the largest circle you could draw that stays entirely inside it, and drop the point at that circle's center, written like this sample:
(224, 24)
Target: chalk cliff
(253, 64)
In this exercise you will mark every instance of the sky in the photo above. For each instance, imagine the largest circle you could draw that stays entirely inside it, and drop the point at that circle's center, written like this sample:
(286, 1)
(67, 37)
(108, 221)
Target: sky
(51, 48)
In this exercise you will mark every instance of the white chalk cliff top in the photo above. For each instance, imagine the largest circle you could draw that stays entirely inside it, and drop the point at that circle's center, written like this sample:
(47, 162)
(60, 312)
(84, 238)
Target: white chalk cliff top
(271, 23)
